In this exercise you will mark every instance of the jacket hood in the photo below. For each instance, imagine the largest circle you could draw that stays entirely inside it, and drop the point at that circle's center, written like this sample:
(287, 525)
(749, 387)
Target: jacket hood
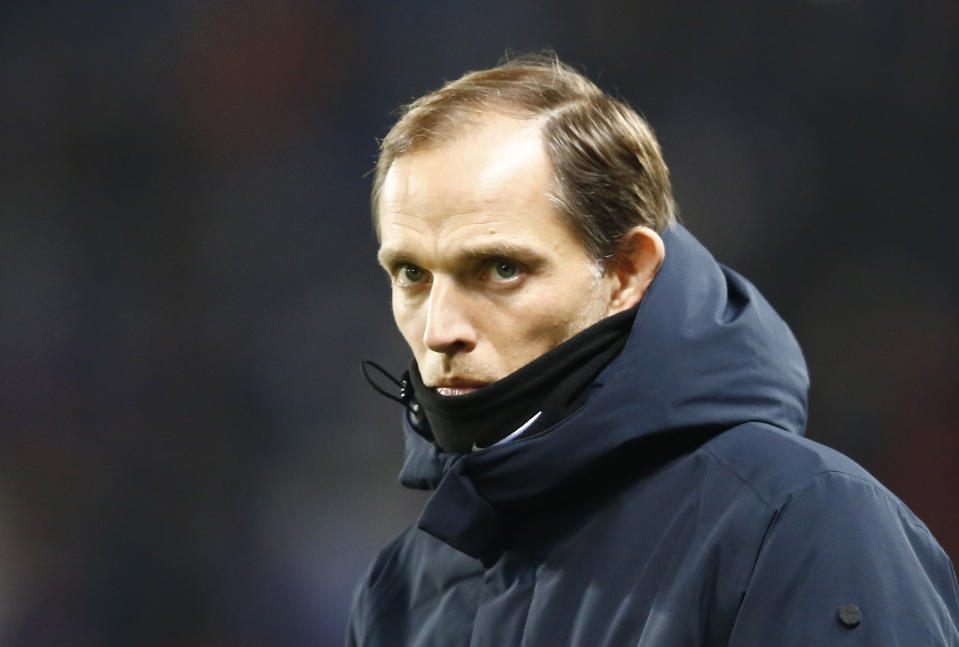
(706, 353)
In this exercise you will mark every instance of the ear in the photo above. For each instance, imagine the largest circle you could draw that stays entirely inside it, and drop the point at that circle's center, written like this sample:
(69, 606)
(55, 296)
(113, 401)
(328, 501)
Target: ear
(638, 258)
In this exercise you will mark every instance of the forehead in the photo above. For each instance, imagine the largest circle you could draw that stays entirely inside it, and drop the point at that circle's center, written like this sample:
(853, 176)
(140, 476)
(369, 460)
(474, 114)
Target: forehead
(496, 172)
(489, 156)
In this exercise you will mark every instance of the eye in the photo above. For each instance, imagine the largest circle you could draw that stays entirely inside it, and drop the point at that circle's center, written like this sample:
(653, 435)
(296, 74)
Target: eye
(408, 274)
(412, 273)
(505, 269)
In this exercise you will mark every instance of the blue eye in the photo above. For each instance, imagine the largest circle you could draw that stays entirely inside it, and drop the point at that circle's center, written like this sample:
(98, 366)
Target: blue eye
(506, 269)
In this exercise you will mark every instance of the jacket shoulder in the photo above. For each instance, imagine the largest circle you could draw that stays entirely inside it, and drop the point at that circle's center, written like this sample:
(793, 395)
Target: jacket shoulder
(774, 463)
(373, 590)
(840, 554)
(413, 571)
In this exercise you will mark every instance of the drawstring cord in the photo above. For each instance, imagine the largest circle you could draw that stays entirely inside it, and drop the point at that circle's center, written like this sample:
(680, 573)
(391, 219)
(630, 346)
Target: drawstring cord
(406, 388)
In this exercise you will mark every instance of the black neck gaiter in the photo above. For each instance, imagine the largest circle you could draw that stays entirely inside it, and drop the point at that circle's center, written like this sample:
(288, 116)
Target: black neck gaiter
(555, 384)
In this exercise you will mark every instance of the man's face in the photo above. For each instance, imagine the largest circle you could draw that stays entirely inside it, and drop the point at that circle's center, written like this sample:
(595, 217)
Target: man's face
(485, 274)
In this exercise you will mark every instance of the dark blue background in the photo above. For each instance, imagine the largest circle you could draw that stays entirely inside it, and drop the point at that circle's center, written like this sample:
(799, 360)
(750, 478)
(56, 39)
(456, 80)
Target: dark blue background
(188, 454)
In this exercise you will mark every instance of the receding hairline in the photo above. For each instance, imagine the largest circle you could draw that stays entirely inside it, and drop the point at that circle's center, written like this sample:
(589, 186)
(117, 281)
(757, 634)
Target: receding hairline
(524, 86)
(608, 172)
(466, 121)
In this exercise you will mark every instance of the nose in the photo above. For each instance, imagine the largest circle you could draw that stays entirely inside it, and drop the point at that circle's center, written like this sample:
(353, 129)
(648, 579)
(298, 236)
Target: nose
(448, 325)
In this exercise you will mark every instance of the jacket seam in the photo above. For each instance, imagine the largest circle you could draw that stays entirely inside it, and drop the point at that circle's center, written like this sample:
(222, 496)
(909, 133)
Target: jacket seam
(811, 478)
(732, 470)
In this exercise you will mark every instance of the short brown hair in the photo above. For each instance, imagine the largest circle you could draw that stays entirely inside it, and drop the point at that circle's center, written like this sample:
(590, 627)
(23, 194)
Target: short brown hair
(609, 173)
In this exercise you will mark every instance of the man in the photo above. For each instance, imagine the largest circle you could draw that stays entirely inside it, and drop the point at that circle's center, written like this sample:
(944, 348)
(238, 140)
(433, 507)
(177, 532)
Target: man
(611, 422)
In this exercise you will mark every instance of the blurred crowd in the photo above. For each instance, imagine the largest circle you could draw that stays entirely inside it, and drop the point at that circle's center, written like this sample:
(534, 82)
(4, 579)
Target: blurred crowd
(188, 452)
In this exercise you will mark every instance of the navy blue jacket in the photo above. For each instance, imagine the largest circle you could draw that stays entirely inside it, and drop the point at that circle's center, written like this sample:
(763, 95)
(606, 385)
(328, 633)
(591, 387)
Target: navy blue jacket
(679, 506)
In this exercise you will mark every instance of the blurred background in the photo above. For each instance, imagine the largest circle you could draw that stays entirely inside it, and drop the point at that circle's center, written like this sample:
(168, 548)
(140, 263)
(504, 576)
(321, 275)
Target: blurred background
(188, 452)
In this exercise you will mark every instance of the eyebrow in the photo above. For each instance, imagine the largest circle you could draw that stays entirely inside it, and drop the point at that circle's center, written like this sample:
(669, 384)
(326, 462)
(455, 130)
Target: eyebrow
(391, 257)
(504, 249)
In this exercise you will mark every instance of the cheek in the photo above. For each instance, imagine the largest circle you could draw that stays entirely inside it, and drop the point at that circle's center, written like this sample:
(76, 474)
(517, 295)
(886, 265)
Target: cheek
(408, 321)
(542, 325)
(562, 313)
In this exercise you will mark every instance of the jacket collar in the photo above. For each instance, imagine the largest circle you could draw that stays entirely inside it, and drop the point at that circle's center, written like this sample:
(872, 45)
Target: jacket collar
(706, 353)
